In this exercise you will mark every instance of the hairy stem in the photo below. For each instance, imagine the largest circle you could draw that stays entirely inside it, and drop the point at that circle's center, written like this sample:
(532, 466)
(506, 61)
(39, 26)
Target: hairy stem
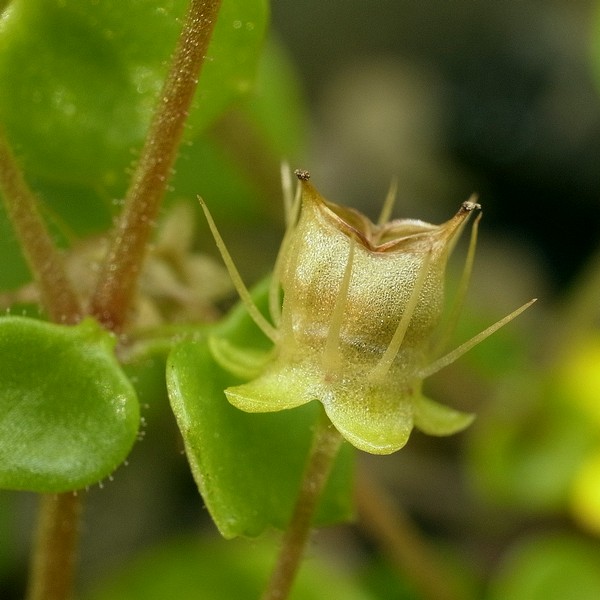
(403, 543)
(119, 273)
(44, 259)
(326, 443)
(55, 548)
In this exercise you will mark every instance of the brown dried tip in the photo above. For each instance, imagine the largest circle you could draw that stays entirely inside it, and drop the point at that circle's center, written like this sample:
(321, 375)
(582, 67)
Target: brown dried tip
(302, 175)
(470, 206)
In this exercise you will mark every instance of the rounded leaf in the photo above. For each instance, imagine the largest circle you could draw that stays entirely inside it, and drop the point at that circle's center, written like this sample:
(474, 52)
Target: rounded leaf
(68, 413)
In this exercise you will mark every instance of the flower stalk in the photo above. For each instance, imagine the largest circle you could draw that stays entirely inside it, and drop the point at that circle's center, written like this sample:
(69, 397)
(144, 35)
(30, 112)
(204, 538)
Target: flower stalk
(325, 447)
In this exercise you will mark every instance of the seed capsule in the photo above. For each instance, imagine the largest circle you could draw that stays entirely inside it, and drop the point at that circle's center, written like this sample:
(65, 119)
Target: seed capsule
(360, 304)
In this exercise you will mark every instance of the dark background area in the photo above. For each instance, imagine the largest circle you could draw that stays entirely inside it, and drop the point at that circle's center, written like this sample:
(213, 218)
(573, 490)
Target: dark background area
(454, 97)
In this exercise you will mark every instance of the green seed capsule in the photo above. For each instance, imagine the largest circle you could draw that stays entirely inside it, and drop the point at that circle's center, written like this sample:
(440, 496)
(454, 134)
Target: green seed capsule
(360, 304)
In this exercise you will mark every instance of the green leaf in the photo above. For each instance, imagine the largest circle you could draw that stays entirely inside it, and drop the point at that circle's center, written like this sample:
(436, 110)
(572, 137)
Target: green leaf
(218, 570)
(552, 567)
(73, 111)
(84, 79)
(277, 107)
(68, 413)
(248, 467)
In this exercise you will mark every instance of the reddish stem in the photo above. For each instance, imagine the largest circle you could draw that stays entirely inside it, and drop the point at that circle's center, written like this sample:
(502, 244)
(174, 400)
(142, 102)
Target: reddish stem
(55, 551)
(403, 543)
(119, 274)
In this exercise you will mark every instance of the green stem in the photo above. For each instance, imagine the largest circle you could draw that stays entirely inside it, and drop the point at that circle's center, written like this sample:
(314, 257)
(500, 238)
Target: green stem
(44, 260)
(55, 548)
(326, 443)
(119, 273)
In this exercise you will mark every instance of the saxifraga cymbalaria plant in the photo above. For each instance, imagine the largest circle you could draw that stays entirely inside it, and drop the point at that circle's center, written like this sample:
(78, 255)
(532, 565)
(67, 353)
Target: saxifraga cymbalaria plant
(355, 307)
(361, 303)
